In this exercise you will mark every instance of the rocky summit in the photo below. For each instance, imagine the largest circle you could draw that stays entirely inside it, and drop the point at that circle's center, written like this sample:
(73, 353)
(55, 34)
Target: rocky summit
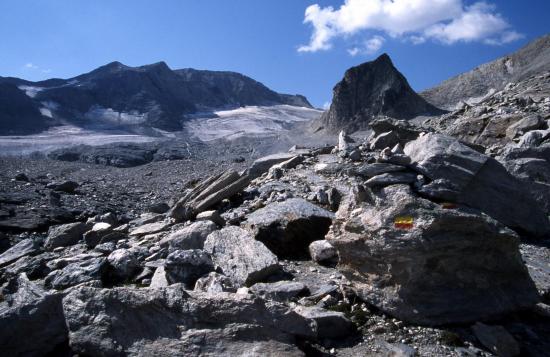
(426, 233)
(370, 90)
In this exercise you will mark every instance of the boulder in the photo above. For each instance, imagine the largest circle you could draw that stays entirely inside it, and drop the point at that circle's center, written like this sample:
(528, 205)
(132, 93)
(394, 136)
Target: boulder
(159, 279)
(496, 339)
(287, 228)
(530, 122)
(149, 228)
(323, 252)
(25, 247)
(31, 319)
(65, 235)
(123, 263)
(171, 321)
(384, 140)
(214, 283)
(375, 169)
(427, 263)
(480, 181)
(212, 215)
(279, 291)
(186, 266)
(190, 237)
(95, 235)
(244, 260)
(63, 186)
(326, 323)
(263, 164)
(86, 269)
(391, 178)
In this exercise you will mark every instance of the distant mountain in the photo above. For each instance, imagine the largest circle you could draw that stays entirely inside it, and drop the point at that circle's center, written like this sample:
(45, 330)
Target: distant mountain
(369, 90)
(116, 95)
(530, 60)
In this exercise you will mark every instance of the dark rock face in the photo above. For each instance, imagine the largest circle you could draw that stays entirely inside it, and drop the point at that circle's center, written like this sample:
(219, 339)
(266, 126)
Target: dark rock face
(369, 90)
(18, 112)
(119, 96)
(532, 59)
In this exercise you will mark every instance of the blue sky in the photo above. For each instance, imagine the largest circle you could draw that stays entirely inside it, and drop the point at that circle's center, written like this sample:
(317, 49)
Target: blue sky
(428, 40)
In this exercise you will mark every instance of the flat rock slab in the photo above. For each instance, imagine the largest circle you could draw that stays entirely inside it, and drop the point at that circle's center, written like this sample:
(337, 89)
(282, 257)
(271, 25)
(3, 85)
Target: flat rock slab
(149, 229)
(25, 247)
(287, 228)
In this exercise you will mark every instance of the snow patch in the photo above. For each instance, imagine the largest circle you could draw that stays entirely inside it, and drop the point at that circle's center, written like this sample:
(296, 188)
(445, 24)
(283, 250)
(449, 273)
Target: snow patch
(30, 90)
(251, 120)
(108, 115)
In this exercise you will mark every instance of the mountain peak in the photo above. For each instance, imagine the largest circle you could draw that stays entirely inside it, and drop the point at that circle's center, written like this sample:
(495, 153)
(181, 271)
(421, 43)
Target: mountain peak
(372, 89)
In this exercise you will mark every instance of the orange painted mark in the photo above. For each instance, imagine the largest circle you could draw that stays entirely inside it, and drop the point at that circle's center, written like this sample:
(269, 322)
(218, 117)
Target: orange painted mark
(404, 222)
(448, 205)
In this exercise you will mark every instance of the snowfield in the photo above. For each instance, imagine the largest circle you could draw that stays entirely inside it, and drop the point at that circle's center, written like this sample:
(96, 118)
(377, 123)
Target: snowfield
(250, 121)
(64, 136)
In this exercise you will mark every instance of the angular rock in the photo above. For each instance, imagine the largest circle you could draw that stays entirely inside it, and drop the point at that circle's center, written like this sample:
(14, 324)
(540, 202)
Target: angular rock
(279, 291)
(384, 140)
(124, 263)
(391, 178)
(214, 283)
(287, 228)
(65, 186)
(159, 279)
(374, 169)
(64, 235)
(81, 271)
(171, 321)
(25, 247)
(244, 260)
(150, 228)
(94, 236)
(531, 122)
(496, 339)
(190, 237)
(481, 181)
(213, 216)
(186, 266)
(323, 252)
(31, 319)
(427, 264)
(326, 324)
(263, 164)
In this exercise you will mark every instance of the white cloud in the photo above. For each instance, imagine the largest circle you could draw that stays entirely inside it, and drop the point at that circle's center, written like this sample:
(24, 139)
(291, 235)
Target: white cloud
(369, 47)
(32, 67)
(446, 21)
(326, 105)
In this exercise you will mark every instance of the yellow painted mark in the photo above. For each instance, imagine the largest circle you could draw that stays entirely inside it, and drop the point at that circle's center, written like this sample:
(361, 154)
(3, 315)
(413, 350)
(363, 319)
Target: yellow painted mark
(404, 222)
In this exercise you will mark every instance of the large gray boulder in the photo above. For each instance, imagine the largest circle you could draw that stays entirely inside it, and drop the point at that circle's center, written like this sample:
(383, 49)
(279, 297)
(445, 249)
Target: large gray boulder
(479, 181)
(82, 270)
(31, 319)
(171, 321)
(64, 235)
(287, 228)
(186, 266)
(244, 260)
(427, 264)
(190, 237)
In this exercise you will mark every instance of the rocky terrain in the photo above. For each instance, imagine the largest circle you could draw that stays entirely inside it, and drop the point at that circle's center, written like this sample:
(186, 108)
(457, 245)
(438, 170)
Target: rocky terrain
(407, 242)
(369, 90)
(491, 77)
(428, 236)
(130, 98)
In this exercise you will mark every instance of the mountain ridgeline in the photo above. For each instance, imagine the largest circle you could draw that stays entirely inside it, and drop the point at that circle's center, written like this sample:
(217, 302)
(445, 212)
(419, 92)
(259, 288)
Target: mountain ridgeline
(532, 59)
(370, 90)
(116, 95)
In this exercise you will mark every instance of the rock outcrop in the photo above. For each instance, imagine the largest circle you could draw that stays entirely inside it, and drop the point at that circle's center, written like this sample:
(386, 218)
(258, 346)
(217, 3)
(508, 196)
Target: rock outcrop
(370, 90)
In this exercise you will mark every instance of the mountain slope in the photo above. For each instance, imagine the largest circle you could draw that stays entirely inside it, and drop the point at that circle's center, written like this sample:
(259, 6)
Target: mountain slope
(116, 95)
(369, 90)
(530, 60)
